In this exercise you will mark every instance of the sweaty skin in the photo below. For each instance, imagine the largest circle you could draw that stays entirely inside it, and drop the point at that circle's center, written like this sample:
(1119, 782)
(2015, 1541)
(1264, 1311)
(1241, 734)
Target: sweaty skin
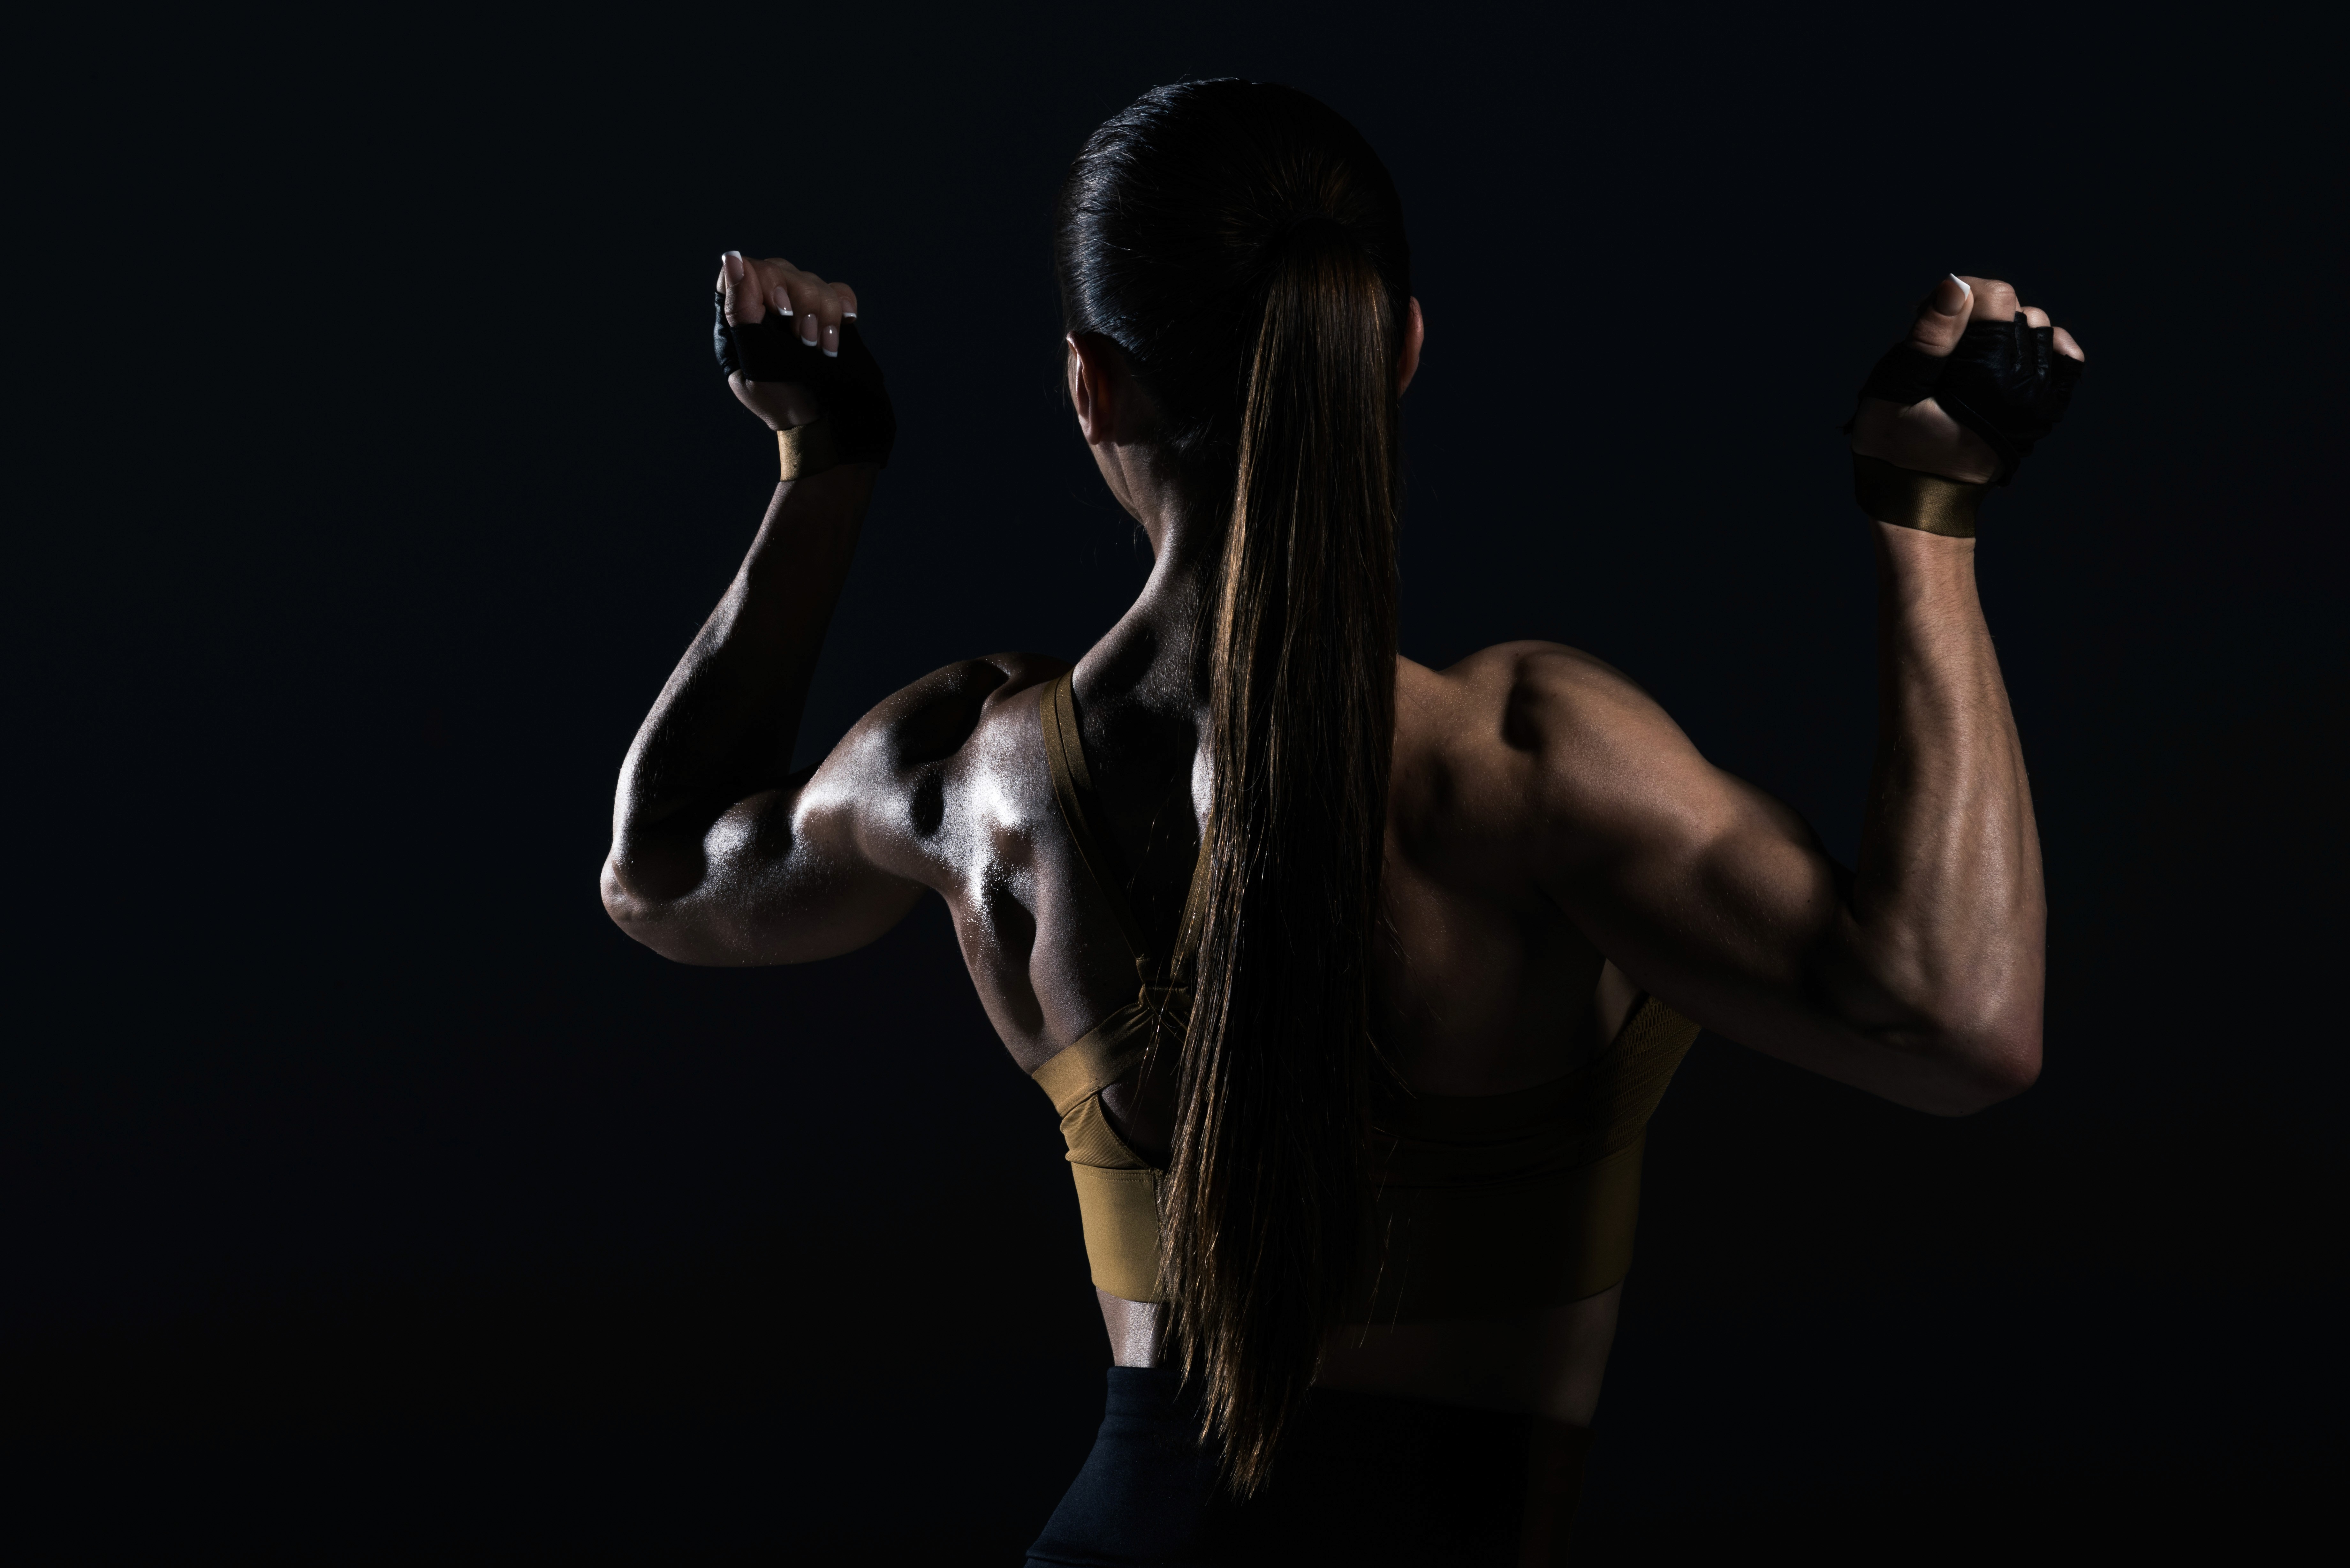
(1554, 843)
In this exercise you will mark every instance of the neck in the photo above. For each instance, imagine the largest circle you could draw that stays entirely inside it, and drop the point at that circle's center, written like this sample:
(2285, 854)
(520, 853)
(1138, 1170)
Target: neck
(1149, 650)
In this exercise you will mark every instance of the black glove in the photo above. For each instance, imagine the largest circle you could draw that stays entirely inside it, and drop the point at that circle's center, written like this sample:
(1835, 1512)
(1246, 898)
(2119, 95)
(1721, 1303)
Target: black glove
(855, 402)
(2003, 380)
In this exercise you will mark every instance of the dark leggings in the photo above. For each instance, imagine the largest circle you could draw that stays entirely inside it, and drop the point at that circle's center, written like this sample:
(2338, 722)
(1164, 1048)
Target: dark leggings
(1363, 1479)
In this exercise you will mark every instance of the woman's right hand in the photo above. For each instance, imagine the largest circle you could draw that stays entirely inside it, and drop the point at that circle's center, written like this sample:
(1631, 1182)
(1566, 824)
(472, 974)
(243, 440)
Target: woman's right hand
(749, 291)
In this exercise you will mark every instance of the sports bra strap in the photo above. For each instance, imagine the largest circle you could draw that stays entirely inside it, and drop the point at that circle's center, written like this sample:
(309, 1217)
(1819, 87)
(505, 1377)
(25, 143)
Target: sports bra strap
(1110, 1050)
(1081, 808)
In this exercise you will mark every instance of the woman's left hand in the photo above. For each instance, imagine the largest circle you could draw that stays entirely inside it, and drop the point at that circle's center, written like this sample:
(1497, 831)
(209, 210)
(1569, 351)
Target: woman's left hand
(751, 289)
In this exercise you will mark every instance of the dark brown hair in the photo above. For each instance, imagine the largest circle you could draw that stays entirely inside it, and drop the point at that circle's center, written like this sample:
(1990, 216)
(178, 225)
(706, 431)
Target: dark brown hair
(1244, 248)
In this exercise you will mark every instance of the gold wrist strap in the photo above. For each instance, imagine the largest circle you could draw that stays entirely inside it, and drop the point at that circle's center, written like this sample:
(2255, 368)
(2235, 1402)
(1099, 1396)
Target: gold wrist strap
(1926, 502)
(806, 448)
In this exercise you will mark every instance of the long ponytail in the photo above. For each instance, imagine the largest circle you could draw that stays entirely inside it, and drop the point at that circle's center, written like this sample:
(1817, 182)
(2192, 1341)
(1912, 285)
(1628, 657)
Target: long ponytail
(1261, 1210)
(1245, 248)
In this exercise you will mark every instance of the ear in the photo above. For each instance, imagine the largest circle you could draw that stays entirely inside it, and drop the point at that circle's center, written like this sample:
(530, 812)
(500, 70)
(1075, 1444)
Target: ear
(1095, 388)
(1415, 333)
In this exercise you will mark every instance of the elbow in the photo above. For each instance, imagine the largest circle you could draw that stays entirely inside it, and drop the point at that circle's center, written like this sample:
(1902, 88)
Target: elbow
(1985, 1082)
(620, 901)
(1968, 1032)
(1986, 1063)
(629, 906)
(680, 926)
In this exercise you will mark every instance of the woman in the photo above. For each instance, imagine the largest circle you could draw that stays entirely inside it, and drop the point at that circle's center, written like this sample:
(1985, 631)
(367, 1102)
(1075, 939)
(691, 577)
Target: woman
(1354, 981)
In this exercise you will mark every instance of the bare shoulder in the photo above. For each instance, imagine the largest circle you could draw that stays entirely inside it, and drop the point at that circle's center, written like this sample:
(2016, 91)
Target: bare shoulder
(922, 758)
(934, 718)
(1535, 739)
(1532, 700)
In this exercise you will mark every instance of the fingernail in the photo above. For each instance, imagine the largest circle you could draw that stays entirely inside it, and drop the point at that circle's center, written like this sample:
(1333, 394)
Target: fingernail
(783, 300)
(848, 316)
(808, 329)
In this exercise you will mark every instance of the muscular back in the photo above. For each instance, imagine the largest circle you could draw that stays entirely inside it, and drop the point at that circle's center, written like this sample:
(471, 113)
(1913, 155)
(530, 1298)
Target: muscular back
(1486, 985)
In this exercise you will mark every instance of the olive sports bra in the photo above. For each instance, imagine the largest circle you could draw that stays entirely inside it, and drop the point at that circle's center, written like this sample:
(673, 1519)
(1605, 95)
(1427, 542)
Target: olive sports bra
(1482, 1204)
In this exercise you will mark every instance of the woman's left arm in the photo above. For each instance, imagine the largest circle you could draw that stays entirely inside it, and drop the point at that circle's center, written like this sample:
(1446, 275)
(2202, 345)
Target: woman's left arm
(720, 854)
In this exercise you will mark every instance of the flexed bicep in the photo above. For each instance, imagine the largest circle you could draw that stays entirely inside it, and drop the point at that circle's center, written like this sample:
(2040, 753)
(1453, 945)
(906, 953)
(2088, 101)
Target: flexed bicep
(833, 857)
(781, 876)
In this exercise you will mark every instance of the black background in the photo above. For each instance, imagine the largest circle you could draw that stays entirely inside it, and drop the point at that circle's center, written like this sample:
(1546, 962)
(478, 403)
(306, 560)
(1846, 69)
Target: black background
(373, 1198)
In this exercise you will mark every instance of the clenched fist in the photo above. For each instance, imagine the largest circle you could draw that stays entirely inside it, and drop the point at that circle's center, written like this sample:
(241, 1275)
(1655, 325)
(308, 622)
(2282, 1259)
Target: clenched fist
(789, 344)
(1980, 379)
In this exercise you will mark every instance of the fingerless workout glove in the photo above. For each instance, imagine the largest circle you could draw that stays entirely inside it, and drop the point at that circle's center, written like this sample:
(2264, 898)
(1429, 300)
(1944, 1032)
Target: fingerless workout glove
(2004, 380)
(856, 402)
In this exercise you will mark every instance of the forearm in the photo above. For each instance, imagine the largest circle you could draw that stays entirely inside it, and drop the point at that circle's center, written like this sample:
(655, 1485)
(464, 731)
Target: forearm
(1947, 907)
(724, 724)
